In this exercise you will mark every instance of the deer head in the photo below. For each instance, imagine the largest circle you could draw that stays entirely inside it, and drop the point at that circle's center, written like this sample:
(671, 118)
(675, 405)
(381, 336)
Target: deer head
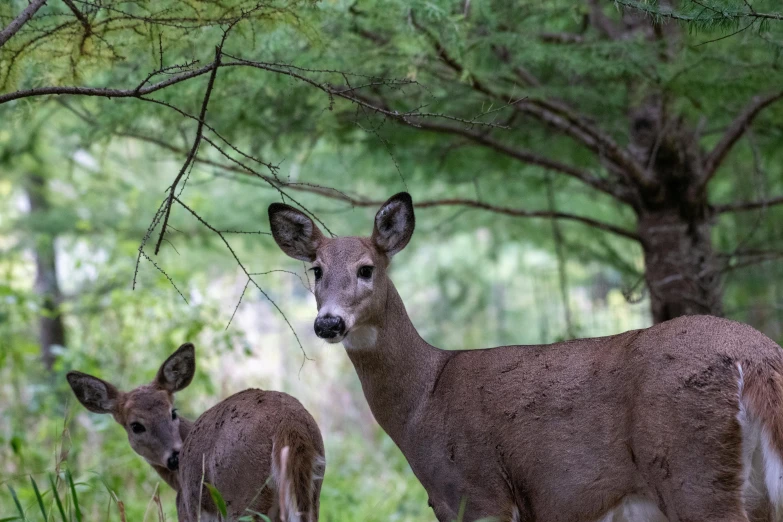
(351, 281)
(147, 413)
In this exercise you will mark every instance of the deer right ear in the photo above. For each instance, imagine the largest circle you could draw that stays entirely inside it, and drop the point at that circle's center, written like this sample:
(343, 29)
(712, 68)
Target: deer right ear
(394, 224)
(294, 232)
(95, 394)
(178, 370)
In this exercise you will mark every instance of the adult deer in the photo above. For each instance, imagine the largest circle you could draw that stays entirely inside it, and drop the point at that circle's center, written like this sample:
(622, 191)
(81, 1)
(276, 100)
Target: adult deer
(681, 421)
(237, 445)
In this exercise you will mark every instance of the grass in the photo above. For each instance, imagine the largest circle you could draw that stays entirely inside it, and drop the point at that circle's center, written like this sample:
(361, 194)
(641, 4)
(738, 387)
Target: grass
(365, 481)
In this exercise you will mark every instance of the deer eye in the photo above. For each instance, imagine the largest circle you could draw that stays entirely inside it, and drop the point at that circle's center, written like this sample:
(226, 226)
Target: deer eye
(174, 414)
(317, 272)
(365, 272)
(137, 427)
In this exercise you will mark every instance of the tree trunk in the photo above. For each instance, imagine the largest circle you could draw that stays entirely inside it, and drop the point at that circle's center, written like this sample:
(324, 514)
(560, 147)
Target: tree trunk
(51, 330)
(681, 269)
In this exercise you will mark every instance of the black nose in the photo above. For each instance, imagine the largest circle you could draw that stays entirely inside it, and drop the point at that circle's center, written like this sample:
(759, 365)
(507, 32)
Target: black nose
(329, 326)
(173, 462)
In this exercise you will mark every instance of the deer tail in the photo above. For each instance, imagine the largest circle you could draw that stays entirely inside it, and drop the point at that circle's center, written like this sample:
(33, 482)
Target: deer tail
(761, 398)
(296, 468)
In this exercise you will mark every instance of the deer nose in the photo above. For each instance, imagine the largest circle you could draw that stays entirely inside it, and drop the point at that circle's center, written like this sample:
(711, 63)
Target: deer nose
(329, 326)
(173, 462)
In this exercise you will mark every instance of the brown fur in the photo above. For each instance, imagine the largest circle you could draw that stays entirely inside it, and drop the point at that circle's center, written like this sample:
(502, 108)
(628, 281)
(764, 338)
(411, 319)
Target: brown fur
(233, 444)
(559, 432)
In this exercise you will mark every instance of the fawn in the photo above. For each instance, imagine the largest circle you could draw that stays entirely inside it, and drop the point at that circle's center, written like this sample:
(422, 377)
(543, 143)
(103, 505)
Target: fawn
(261, 450)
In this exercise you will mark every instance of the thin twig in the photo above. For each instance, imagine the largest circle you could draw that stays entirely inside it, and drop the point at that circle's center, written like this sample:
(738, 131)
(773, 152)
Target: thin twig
(193, 149)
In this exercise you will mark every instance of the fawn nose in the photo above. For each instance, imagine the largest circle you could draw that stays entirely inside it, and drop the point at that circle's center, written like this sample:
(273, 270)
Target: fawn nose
(173, 462)
(329, 326)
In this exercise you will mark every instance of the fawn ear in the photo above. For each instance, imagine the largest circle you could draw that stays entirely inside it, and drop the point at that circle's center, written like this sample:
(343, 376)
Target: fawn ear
(95, 394)
(394, 224)
(294, 232)
(177, 372)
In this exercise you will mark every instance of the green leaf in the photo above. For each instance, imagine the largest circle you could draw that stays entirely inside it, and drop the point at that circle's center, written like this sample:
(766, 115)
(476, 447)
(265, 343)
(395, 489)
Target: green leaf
(73, 495)
(39, 498)
(256, 513)
(16, 501)
(57, 500)
(217, 498)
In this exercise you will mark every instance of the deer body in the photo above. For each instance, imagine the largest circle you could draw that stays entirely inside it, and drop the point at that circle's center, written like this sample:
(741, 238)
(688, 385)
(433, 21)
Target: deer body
(237, 446)
(260, 449)
(679, 422)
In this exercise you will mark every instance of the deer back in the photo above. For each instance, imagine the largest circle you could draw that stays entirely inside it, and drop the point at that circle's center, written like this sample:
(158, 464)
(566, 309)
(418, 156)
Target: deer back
(236, 447)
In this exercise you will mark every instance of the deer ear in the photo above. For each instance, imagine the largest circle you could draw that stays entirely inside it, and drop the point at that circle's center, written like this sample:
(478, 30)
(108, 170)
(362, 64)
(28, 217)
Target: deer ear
(294, 232)
(95, 394)
(177, 372)
(394, 224)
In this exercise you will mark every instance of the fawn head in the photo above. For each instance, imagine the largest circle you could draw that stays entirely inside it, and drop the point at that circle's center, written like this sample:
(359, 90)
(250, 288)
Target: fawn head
(350, 273)
(147, 413)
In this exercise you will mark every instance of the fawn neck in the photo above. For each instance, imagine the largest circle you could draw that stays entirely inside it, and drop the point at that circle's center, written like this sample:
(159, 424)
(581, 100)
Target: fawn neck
(395, 366)
(172, 477)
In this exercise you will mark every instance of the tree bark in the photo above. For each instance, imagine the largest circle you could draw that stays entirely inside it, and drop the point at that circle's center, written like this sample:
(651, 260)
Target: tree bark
(682, 272)
(51, 330)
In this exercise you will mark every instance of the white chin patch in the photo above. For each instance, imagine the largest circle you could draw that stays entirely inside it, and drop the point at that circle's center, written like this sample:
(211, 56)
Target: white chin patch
(334, 340)
(362, 338)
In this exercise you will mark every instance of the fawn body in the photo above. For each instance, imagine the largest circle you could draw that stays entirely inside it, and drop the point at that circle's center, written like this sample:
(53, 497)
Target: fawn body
(260, 449)
(680, 422)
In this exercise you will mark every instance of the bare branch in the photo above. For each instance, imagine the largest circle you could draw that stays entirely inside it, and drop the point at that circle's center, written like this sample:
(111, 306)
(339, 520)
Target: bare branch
(79, 16)
(359, 201)
(106, 92)
(20, 20)
(734, 133)
(744, 206)
(601, 225)
(654, 9)
(248, 274)
(613, 189)
(193, 149)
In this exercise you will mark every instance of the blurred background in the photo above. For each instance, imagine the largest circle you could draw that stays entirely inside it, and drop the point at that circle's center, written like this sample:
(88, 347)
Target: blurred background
(578, 168)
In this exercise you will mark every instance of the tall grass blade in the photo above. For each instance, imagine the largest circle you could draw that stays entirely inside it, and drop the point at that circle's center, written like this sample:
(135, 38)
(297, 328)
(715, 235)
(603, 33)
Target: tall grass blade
(18, 504)
(77, 510)
(217, 498)
(39, 498)
(57, 500)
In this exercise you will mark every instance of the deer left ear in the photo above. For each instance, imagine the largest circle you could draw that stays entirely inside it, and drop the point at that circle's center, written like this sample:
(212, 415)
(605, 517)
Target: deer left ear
(294, 232)
(177, 372)
(394, 224)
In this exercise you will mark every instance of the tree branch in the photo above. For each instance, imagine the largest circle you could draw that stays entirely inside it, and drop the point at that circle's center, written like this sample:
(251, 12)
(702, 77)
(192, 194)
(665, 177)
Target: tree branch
(735, 131)
(106, 92)
(744, 206)
(20, 20)
(193, 149)
(359, 201)
(523, 155)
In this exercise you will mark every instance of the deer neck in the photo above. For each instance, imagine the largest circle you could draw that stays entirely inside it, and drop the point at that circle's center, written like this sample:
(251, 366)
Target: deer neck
(396, 367)
(172, 477)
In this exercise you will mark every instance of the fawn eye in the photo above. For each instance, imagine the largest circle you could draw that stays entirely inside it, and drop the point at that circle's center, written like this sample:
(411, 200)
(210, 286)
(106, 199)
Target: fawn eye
(174, 414)
(317, 272)
(137, 428)
(365, 272)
